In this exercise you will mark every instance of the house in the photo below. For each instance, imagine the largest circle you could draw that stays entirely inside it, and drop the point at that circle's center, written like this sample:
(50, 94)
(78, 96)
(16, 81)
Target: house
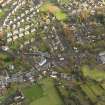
(18, 17)
(32, 39)
(22, 15)
(27, 42)
(27, 32)
(27, 18)
(27, 11)
(15, 37)
(21, 29)
(21, 34)
(16, 32)
(22, 20)
(33, 30)
(31, 9)
(9, 40)
(27, 27)
(18, 24)
(14, 26)
(102, 57)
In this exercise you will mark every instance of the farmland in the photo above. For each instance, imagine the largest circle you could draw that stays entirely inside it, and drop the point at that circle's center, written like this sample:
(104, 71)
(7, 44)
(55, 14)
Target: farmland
(50, 97)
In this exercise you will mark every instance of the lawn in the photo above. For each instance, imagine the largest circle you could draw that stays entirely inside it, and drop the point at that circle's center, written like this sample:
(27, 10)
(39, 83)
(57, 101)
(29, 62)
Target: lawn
(55, 10)
(93, 74)
(65, 1)
(51, 96)
(1, 98)
(1, 13)
(33, 92)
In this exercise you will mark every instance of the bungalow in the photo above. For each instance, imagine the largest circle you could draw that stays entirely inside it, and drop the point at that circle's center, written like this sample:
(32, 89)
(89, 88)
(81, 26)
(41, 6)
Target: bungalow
(32, 39)
(31, 9)
(15, 32)
(33, 30)
(18, 24)
(22, 15)
(14, 26)
(27, 18)
(27, 27)
(27, 42)
(27, 11)
(9, 40)
(15, 37)
(18, 17)
(27, 32)
(11, 22)
(22, 20)
(21, 34)
(21, 29)
(34, 13)
(9, 34)
(15, 3)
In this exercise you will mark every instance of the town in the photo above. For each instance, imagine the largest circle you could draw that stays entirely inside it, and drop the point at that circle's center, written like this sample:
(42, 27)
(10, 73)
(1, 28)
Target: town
(52, 52)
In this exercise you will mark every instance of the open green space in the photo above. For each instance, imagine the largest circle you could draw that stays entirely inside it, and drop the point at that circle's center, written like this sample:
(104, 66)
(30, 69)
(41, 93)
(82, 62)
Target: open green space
(1, 13)
(64, 1)
(2, 98)
(55, 10)
(33, 92)
(93, 74)
(51, 96)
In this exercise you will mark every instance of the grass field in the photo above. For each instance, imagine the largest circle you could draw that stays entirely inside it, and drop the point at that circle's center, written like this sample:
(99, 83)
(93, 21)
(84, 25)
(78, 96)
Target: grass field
(93, 74)
(33, 93)
(1, 98)
(56, 11)
(64, 1)
(1, 13)
(50, 97)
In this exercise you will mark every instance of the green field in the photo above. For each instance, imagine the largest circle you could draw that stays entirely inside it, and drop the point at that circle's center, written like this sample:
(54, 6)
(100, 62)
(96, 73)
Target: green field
(33, 93)
(1, 13)
(55, 10)
(93, 73)
(2, 98)
(50, 97)
(64, 1)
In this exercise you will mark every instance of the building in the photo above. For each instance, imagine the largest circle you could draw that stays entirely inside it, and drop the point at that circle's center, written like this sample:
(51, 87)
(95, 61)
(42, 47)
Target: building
(102, 57)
